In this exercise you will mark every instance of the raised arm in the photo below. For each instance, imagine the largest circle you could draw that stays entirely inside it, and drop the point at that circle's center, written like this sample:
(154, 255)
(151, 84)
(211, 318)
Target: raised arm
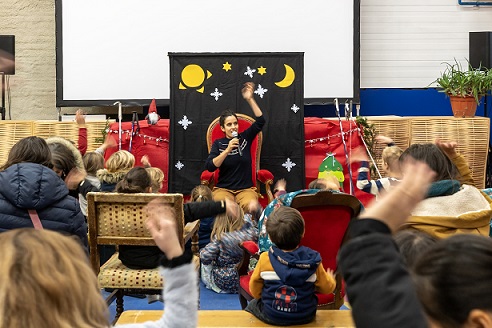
(372, 265)
(248, 95)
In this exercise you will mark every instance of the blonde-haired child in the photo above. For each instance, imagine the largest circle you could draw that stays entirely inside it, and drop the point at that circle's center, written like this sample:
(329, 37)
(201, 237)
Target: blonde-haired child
(117, 166)
(222, 255)
(156, 177)
(391, 166)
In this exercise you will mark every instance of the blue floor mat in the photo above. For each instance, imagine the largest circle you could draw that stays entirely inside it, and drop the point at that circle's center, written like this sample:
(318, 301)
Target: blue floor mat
(209, 300)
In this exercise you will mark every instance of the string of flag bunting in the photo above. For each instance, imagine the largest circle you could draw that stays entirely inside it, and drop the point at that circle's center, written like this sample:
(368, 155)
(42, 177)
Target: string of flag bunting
(311, 142)
(144, 136)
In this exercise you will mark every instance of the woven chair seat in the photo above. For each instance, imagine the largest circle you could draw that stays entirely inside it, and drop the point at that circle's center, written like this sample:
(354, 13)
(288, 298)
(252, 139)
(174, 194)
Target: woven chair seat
(114, 274)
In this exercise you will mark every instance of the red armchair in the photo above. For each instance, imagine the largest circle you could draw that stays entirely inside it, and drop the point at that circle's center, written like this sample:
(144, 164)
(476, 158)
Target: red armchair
(327, 216)
(258, 175)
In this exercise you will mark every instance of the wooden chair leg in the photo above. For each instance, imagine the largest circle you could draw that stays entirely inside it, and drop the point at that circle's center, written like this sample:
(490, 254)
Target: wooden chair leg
(119, 305)
(243, 301)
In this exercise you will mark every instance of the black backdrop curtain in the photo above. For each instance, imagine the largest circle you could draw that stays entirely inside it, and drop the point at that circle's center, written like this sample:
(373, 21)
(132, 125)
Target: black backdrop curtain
(205, 84)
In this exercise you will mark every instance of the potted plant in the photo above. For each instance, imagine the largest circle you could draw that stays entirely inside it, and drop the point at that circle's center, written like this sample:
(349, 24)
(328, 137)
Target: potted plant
(465, 87)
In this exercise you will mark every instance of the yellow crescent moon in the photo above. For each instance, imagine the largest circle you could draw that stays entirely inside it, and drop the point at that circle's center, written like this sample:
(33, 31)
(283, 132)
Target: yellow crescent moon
(289, 78)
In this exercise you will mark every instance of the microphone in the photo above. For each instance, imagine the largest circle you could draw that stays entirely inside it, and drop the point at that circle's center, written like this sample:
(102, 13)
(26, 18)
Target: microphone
(235, 135)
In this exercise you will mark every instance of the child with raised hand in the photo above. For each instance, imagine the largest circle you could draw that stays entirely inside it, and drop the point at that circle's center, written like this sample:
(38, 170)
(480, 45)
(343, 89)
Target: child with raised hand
(286, 277)
(391, 166)
(180, 289)
(223, 254)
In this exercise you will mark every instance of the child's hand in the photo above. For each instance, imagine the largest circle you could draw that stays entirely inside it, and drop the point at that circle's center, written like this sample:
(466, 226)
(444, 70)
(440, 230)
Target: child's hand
(358, 154)
(232, 208)
(395, 207)
(330, 273)
(74, 178)
(449, 148)
(145, 161)
(80, 118)
(384, 139)
(161, 222)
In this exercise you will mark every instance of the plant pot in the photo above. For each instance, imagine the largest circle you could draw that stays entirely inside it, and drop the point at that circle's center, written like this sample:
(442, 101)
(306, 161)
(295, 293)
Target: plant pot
(463, 106)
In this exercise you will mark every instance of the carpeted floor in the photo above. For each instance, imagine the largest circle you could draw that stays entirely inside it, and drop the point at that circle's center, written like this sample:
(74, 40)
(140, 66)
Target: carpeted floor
(209, 300)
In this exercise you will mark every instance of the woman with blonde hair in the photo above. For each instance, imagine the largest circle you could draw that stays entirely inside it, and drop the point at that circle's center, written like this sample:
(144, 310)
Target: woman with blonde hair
(117, 166)
(223, 254)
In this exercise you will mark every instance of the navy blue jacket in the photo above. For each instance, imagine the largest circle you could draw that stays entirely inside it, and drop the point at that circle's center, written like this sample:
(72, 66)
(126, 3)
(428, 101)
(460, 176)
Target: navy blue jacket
(291, 297)
(28, 186)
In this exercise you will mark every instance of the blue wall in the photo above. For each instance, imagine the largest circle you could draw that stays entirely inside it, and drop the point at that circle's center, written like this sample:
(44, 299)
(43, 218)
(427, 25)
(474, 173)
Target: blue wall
(401, 102)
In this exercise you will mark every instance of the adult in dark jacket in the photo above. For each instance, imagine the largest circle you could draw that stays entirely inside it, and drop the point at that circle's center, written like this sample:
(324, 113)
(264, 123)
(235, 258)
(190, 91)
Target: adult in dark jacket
(27, 182)
(449, 286)
(232, 155)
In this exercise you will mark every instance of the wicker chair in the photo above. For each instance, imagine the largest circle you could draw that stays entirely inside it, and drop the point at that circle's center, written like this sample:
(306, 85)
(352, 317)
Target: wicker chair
(118, 219)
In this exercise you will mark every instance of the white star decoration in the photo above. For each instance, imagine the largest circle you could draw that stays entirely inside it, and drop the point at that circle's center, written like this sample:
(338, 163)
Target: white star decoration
(179, 165)
(216, 94)
(249, 71)
(294, 108)
(184, 122)
(288, 164)
(260, 91)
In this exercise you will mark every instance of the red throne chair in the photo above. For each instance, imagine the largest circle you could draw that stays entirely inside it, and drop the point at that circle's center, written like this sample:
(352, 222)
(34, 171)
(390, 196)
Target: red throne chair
(327, 216)
(258, 175)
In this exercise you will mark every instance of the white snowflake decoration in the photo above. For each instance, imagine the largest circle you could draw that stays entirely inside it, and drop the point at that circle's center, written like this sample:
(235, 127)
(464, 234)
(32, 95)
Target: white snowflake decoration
(249, 71)
(261, 91)
(295, 108)
(184, 122)
(288, 164)
(179, 165)
(216, 94)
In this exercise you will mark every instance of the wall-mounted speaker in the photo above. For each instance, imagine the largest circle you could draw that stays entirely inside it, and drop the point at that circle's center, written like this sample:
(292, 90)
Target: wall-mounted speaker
(480, 49)
(7, 54)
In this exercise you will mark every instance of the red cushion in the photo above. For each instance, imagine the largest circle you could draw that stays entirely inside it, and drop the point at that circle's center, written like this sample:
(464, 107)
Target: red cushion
(251, 246)
(207, 176)
(244, 282)
(264, 175)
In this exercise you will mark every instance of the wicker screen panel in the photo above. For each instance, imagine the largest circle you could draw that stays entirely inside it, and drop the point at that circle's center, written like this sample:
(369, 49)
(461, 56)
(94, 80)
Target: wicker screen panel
(10, 133)
(472, 135)
(95, 133)
(395, 127)
(46, 129)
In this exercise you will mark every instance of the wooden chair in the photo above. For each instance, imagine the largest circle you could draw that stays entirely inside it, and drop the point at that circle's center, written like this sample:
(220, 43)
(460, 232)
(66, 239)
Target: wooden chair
(119, 219)
(258, 175)
(327, 215)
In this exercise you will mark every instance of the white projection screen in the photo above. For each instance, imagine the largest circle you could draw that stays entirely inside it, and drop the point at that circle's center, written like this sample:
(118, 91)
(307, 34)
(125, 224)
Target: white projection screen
(110, 50)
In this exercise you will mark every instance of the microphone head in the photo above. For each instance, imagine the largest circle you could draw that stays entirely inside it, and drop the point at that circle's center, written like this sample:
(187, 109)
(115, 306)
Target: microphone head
(234, 134)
